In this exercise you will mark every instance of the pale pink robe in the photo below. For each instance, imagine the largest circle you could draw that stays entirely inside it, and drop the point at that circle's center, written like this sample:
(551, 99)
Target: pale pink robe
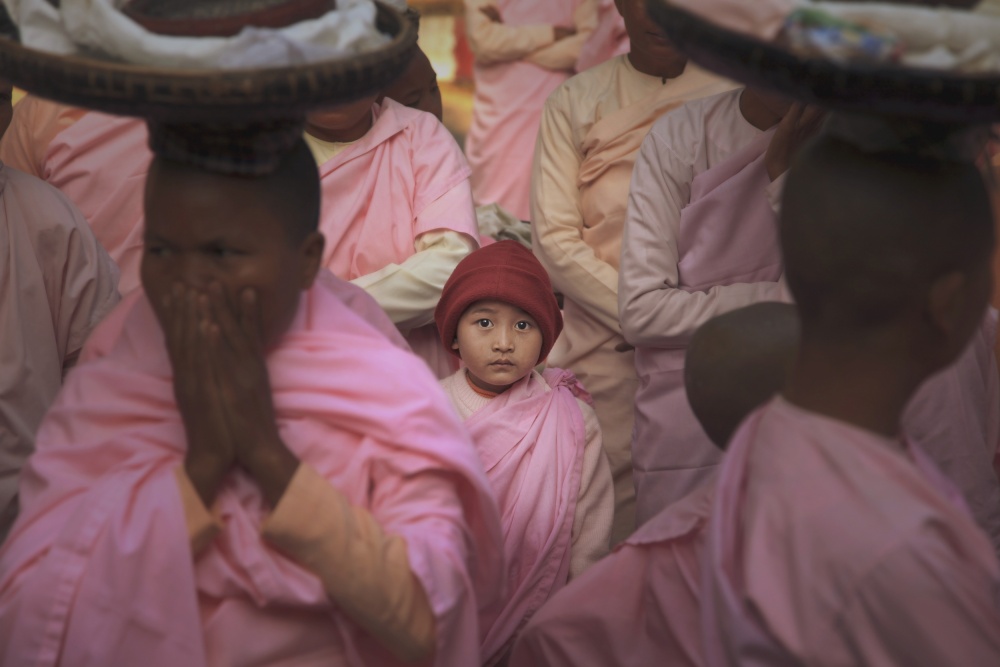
(683, 263)
(636, 608)
(531, 439)
(56, 284)
(517, 66)
(404, 178)
(592, 128)
(955, 418)
(831, 545)
(99, 571)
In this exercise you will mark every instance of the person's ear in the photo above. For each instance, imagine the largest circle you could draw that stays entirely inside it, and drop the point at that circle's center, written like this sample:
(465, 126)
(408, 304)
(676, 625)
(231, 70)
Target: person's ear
(947, 305)
(312, 258)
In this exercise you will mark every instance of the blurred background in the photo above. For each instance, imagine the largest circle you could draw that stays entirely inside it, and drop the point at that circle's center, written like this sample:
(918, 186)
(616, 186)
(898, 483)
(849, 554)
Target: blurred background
(442, 37)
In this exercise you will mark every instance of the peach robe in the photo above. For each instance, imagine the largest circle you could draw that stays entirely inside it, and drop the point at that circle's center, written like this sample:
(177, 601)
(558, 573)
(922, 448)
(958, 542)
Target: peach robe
(701, 240)
(832, 545)
(518, 64)
(637, 607)
(99, 161)
(592, 127)
(531, 440)
(406, 177)
(99, 571)
(56, 284)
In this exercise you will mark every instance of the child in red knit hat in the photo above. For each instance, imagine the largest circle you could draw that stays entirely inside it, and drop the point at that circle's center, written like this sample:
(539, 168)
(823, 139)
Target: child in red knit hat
(537, 436)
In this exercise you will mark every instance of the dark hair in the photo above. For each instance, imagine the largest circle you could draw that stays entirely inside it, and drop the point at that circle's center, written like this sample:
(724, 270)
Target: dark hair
(865, 234)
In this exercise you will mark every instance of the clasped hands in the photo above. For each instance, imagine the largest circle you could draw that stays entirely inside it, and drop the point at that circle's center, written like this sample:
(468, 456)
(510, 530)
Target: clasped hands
(223, 390)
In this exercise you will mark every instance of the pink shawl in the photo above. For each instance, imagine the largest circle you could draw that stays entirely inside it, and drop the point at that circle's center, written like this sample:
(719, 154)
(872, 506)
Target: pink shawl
(721, 243)
(531, 439)
(98, 570)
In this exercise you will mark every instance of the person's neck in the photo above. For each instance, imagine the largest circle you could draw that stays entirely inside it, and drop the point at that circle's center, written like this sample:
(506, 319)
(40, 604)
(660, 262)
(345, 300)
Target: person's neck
(342, 135)
(755, 112)
(868, 387)
(646, 64)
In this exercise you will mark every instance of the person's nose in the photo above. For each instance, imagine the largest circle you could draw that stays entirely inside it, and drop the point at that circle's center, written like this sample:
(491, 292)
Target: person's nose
(503, 341)
(195, 272)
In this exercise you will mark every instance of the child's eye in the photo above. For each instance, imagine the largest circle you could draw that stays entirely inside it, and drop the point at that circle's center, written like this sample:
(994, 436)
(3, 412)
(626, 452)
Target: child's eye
(221, 252)
(523, 326)
(156, 250)
(484, 323)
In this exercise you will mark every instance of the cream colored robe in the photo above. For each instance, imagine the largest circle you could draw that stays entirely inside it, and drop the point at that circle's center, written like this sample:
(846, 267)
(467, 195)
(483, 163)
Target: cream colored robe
(591, 130)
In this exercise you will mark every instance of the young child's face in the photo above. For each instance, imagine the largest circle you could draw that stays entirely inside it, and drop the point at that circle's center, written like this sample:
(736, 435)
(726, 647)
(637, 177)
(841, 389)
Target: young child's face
(417, 87)
(499, 344)
(204, 228)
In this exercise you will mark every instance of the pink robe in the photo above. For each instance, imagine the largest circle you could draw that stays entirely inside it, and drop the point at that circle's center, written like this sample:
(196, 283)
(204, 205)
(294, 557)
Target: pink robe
(721, 244)
(531, 443)
(404, 178)
(507, 110)
(637, 607)
(955, 418)
(100, 162)
(831, 545)
(98, 570)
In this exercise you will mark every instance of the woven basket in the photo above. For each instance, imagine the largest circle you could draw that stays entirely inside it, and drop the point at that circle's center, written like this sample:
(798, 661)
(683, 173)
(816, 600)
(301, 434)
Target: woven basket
(891, 90)
(207, 96)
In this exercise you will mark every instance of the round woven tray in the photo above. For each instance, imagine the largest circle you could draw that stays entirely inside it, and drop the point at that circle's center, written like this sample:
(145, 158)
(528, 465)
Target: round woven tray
(182, 95)
(890, 90)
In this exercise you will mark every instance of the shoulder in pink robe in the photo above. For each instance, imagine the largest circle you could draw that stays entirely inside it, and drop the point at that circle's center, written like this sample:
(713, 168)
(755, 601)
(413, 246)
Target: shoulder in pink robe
(98, 570)
(56, 284)
(637, 607)
(831, 545)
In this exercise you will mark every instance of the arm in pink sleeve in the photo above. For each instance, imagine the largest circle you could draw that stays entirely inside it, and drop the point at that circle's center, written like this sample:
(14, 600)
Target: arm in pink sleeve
(363, 569)
(654, 311)
(595, 504)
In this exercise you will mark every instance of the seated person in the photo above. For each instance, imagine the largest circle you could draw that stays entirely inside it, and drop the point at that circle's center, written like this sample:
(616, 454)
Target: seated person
(98, 161)
(833, 538)
(535, 432)
(640, 605)
(396, 196)
(57, 284)
(242, 471)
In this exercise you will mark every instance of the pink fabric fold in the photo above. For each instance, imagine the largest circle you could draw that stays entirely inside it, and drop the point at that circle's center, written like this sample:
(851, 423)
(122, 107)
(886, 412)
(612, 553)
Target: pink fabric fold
(728, 235)
(404, 178)
(637, 607)
(98, 570)
(530, 439)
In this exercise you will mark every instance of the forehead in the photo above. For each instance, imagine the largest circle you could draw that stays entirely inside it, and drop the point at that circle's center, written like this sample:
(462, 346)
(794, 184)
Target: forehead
(192, 204)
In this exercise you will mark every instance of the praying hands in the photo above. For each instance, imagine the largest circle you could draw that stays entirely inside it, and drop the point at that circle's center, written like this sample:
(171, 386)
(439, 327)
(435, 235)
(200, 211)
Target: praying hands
(223, 391)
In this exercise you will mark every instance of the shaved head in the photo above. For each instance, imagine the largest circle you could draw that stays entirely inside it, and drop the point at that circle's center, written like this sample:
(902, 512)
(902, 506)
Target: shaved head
(736, 362)
(865, 235)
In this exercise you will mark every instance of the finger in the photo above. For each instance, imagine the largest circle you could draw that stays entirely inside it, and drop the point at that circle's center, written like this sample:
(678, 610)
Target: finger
(250, 319)
(174, 312)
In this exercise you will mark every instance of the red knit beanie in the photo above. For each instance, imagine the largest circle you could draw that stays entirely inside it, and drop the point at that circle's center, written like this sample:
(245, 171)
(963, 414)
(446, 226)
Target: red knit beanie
(504, 271)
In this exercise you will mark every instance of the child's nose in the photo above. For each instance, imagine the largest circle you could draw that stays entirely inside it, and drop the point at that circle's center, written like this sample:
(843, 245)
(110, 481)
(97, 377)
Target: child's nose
(503, 342)
(195, 272)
